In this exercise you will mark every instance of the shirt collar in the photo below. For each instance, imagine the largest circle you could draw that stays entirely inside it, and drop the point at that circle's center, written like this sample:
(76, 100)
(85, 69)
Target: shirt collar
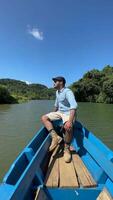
(59, 91)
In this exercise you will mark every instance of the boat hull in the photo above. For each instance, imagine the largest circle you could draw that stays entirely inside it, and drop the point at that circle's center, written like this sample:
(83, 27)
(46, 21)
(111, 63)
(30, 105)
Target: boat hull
(27, 173)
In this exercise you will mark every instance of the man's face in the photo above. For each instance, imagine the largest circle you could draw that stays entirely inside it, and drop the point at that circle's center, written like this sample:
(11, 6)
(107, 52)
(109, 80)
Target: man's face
(57, 84)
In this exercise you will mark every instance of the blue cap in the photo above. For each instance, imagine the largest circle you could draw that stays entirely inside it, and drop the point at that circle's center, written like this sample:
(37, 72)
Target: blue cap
(59, 78)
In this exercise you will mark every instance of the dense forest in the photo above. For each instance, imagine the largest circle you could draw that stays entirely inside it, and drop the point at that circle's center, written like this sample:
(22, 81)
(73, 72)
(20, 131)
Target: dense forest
(95, 86)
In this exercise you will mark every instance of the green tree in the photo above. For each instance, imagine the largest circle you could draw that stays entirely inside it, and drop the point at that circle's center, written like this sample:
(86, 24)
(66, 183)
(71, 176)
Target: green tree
(5, 96)
(95, 86)
(107, 70)
(108, 90)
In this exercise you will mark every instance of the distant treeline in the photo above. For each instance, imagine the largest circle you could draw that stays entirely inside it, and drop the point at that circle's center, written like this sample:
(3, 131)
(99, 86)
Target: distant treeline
(14, 91)
(95, 86)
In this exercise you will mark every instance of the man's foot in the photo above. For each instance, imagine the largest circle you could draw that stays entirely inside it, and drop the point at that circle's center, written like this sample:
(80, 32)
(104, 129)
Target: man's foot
(67, 155)
(55, 141)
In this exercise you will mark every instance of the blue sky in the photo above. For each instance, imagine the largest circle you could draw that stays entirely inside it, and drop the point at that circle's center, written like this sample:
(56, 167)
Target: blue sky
(40, 39)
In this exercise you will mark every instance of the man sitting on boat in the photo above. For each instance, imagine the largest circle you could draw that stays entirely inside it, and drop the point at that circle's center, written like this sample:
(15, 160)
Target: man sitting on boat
(65, 109)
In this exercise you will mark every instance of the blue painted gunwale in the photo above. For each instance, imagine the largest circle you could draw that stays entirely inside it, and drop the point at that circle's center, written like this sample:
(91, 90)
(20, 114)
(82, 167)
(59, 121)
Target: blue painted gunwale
(26, 174)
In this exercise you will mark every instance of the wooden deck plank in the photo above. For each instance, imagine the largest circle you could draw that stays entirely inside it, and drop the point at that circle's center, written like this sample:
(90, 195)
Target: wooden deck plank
(84, 177)
(67, 174)
(104, 195)
(61, 174)
(56, 150)
(52, 178)
(52, 175)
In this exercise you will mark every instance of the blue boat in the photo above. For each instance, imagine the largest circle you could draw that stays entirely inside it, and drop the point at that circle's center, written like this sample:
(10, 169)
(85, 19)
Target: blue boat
(38, 174)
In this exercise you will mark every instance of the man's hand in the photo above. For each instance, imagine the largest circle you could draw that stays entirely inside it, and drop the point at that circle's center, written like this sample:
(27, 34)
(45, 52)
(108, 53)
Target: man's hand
(68, 125)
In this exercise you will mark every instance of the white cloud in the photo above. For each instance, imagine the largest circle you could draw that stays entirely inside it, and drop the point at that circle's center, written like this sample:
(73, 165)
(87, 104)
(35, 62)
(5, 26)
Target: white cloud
(35, 33)
(27, 82)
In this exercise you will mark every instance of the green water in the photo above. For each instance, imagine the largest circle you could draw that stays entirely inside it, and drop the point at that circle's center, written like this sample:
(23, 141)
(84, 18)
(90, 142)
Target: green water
(19, 123)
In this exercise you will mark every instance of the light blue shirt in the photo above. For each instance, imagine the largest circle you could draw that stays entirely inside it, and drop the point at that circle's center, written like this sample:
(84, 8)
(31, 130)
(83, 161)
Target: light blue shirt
(65, 100)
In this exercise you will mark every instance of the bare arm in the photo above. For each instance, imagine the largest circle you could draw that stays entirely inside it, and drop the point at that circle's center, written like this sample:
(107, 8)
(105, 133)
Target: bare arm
(72, 115)
(69, 124)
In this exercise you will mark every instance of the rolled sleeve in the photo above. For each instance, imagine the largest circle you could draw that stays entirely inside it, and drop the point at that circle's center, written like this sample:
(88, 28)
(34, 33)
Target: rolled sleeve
(71, 99)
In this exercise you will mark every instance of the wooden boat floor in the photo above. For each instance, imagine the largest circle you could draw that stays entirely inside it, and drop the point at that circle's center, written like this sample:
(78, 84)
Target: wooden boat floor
(104, 195)
(69, 175)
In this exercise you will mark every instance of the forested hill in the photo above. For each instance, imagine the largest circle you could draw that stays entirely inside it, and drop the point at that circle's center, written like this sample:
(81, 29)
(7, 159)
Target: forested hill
(95, 86)
(14, 91)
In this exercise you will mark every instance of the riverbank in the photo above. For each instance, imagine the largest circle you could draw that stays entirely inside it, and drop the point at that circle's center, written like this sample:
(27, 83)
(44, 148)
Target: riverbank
(95, 86)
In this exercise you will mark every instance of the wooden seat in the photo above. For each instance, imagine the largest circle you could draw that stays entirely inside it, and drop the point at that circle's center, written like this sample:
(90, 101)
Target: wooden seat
(73, 174)
(104, 195)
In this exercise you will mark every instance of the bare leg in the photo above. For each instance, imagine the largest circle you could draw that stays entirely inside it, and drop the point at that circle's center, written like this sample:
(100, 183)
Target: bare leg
(68, 136)
(47, 123)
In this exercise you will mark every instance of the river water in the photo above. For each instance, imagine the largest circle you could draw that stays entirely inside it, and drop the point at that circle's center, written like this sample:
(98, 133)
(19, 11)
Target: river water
(19, 123)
